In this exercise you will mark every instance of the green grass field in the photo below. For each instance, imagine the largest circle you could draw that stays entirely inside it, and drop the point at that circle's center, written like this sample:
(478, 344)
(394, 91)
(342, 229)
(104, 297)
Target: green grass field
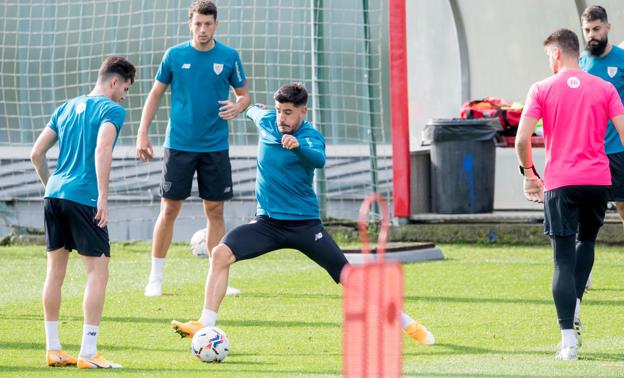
(489, 307)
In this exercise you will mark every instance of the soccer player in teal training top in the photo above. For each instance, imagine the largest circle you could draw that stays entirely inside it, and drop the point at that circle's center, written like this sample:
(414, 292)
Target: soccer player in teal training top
(76, 202)
(287, 216)
(603, 59)
(200, 73)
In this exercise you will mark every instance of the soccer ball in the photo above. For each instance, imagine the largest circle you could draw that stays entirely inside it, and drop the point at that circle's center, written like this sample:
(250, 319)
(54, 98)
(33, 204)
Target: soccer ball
(198, 243)
(210, 344)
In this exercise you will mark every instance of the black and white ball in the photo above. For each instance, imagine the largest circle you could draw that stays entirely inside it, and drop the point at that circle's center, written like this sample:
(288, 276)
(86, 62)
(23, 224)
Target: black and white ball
(198, 243)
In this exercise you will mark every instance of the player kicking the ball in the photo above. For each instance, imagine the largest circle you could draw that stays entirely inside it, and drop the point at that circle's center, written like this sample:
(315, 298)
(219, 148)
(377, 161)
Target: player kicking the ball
(287, 216)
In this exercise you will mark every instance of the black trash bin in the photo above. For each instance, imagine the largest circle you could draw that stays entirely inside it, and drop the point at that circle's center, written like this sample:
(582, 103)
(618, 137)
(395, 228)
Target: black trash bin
(463, 157)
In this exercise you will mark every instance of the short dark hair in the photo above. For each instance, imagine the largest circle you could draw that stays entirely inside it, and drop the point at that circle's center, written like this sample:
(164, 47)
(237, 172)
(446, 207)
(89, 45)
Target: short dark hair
(294, 93)
(593, 13)
(205, 7)
(564, 39)
(117, 65)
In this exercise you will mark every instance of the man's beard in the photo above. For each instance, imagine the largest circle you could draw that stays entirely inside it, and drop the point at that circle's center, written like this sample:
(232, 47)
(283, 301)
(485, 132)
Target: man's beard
(598, 48)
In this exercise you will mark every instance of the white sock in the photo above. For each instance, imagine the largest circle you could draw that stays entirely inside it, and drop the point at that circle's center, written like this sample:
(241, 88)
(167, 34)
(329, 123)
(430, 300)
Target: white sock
(52, 335)
(577, 309)
(405, 320)
(568, 337)
(208, 318)
(158, 266)
(89, 340)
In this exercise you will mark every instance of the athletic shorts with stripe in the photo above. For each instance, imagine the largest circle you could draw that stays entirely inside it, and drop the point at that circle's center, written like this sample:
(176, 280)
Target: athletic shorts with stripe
(72, 225)
(616, 164)
(264, 234)
(214, 175)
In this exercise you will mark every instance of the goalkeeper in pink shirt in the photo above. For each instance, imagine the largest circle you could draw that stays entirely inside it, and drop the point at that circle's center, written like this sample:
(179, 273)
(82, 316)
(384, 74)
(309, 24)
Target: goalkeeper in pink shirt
(574, 107)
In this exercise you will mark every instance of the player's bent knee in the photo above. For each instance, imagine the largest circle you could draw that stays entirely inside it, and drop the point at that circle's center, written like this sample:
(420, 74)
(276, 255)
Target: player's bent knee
(222, 256)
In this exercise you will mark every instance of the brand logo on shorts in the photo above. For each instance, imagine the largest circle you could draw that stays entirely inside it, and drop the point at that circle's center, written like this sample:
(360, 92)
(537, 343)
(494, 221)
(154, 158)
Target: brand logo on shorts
(81, 107)
(611, 71)
(186, 66)
(227, 190)
(166, 186)
(318, 236)
(574, 82)
(218, 68)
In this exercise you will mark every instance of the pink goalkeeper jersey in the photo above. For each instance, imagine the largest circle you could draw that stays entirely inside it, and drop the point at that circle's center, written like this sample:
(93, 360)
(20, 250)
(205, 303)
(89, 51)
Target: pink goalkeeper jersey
(574, 107)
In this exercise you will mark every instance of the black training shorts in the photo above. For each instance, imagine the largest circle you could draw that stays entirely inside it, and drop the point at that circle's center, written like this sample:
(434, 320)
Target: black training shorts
(575, 209)
(214, 175)
(264, 234)
(616, 164)
(72, 225)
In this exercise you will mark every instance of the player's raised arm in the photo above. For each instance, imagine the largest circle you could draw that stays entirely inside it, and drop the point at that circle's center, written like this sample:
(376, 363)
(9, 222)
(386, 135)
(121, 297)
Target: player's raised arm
(255, 112)
(311, 150)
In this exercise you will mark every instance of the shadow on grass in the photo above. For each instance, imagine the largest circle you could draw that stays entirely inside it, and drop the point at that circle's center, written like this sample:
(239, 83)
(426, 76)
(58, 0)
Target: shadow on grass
(607, 289)
(435, 374)
(167, 321)
(105, 347)
(293, 295)
(225, 367)
(595, 302)
(456, 349)
(611, 357)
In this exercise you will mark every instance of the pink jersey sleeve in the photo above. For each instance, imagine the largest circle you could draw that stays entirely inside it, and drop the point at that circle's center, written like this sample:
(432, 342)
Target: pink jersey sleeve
(615, 103)
(532, 105)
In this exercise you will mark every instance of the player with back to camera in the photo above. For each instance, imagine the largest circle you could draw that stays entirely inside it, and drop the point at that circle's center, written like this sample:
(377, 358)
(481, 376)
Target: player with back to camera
(287, 216)
(574, 107)
(76, 203)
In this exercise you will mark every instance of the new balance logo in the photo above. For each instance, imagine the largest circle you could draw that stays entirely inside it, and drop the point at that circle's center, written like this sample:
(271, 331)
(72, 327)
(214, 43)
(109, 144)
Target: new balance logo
(227, 190)
(186, 66)
(318, 236)
(92, 333)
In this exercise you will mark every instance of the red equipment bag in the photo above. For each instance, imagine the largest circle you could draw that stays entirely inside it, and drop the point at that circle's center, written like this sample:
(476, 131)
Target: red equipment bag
(491, 107)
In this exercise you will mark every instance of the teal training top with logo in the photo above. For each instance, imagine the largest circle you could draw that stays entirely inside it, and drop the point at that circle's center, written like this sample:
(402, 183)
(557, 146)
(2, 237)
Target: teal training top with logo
(198, 80)
(610, 68)
(285, 178)
(76, 124)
